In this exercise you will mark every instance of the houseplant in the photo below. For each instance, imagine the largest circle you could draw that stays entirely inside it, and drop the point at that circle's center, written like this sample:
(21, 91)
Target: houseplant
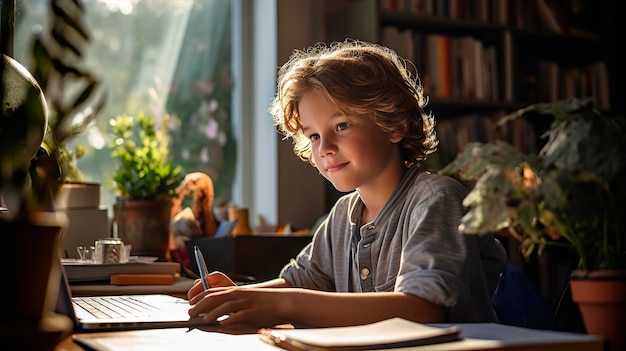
(145, 182)
(39, 115)
(570, 193)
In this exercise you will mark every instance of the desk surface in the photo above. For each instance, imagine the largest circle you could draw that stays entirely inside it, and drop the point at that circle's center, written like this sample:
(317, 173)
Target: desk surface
(475, 336)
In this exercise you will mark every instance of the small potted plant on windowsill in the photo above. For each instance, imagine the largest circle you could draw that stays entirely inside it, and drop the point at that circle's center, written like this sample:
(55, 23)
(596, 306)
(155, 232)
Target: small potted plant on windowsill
(571, 193)
(145, 182)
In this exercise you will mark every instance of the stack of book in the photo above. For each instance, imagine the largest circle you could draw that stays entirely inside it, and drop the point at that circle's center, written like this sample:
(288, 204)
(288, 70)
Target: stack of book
(133, 272)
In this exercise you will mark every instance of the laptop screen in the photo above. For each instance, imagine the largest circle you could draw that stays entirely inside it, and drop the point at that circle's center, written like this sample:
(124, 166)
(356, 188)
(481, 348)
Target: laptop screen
(64, 300)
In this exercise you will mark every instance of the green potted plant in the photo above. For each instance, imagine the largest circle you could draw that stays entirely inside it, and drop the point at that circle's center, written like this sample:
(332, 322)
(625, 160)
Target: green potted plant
(570, 193)
(40, 113)
(145, 182)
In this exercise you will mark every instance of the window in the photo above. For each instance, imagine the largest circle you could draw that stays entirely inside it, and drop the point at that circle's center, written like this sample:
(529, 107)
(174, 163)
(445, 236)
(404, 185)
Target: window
(171, 59)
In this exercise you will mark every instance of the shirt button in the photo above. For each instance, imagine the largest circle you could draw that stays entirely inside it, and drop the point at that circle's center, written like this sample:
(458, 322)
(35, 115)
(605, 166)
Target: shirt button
(364, 273)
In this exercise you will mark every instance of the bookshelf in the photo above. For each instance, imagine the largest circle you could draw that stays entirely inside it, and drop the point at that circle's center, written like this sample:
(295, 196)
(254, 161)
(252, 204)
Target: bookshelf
(526, 51)
(479, 59)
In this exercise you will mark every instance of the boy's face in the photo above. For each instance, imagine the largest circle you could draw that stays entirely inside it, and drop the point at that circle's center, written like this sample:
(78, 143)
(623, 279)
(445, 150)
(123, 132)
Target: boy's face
(351, 151)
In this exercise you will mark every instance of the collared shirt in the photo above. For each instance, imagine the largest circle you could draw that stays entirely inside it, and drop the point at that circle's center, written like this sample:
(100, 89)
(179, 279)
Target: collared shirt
(412, 246)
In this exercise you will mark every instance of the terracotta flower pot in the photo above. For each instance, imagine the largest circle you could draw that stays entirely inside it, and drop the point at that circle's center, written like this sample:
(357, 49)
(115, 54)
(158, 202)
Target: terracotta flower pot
(146, 226)
(601, 297)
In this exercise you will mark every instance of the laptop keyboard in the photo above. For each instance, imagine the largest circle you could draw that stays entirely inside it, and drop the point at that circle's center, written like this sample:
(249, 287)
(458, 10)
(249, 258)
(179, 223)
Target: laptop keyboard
(115, 306)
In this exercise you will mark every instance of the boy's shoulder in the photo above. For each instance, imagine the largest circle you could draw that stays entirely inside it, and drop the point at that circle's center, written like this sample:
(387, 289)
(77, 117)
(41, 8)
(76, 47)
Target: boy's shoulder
(433, 182)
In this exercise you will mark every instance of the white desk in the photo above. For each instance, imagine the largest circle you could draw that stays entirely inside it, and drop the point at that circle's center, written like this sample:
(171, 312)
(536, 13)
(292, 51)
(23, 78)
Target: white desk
(479, 336)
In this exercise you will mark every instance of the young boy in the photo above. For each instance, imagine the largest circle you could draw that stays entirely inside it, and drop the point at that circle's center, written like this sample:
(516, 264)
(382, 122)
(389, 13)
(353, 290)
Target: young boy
(392, 247)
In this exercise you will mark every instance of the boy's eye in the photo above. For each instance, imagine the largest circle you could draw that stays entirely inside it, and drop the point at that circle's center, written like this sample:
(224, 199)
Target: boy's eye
(314, 137)
(342, 126)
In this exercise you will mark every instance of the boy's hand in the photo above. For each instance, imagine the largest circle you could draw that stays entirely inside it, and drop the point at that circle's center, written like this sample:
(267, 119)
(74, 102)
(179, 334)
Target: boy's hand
(257, 307)
(215, 280)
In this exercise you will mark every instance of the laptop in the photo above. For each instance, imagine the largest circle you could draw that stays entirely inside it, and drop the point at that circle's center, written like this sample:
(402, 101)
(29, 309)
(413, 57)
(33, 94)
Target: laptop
(124, 312)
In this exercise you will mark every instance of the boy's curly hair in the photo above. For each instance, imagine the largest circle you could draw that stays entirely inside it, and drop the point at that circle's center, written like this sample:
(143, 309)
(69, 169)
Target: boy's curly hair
(361, 79)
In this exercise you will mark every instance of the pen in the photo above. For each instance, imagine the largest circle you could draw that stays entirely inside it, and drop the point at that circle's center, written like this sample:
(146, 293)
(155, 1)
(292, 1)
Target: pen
(202, 270)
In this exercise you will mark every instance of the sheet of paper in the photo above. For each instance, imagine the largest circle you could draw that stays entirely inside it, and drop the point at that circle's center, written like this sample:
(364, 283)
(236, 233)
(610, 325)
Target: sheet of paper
(170, 339)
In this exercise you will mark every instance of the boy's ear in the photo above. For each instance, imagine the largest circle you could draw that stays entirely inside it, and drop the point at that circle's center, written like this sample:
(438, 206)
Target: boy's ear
(397, 136)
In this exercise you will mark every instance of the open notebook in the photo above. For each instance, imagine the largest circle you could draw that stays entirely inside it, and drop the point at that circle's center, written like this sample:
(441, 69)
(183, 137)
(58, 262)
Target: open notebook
(124, 312)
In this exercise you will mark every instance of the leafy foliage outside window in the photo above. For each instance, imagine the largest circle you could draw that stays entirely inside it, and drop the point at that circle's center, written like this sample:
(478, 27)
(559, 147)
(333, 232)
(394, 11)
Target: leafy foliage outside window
(201, 136)
(165, 58)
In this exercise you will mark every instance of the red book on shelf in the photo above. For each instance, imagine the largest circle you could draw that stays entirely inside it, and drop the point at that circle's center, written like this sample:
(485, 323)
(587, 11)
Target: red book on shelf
(443, 46)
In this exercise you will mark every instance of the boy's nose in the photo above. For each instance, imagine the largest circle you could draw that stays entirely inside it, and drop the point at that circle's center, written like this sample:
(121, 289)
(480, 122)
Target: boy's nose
(327, 146)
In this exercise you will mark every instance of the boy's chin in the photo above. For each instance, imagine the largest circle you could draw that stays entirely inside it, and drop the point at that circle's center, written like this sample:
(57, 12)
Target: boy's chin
(342, 189)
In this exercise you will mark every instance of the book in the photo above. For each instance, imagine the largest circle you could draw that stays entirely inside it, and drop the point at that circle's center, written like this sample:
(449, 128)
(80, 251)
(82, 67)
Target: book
(390, 333)
(142, 279)
(508, 66)
(444, 58)
(547, 17)
(77, 271)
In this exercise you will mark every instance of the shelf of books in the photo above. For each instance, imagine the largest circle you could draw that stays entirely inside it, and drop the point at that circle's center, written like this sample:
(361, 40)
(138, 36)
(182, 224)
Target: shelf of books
(479, 59)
